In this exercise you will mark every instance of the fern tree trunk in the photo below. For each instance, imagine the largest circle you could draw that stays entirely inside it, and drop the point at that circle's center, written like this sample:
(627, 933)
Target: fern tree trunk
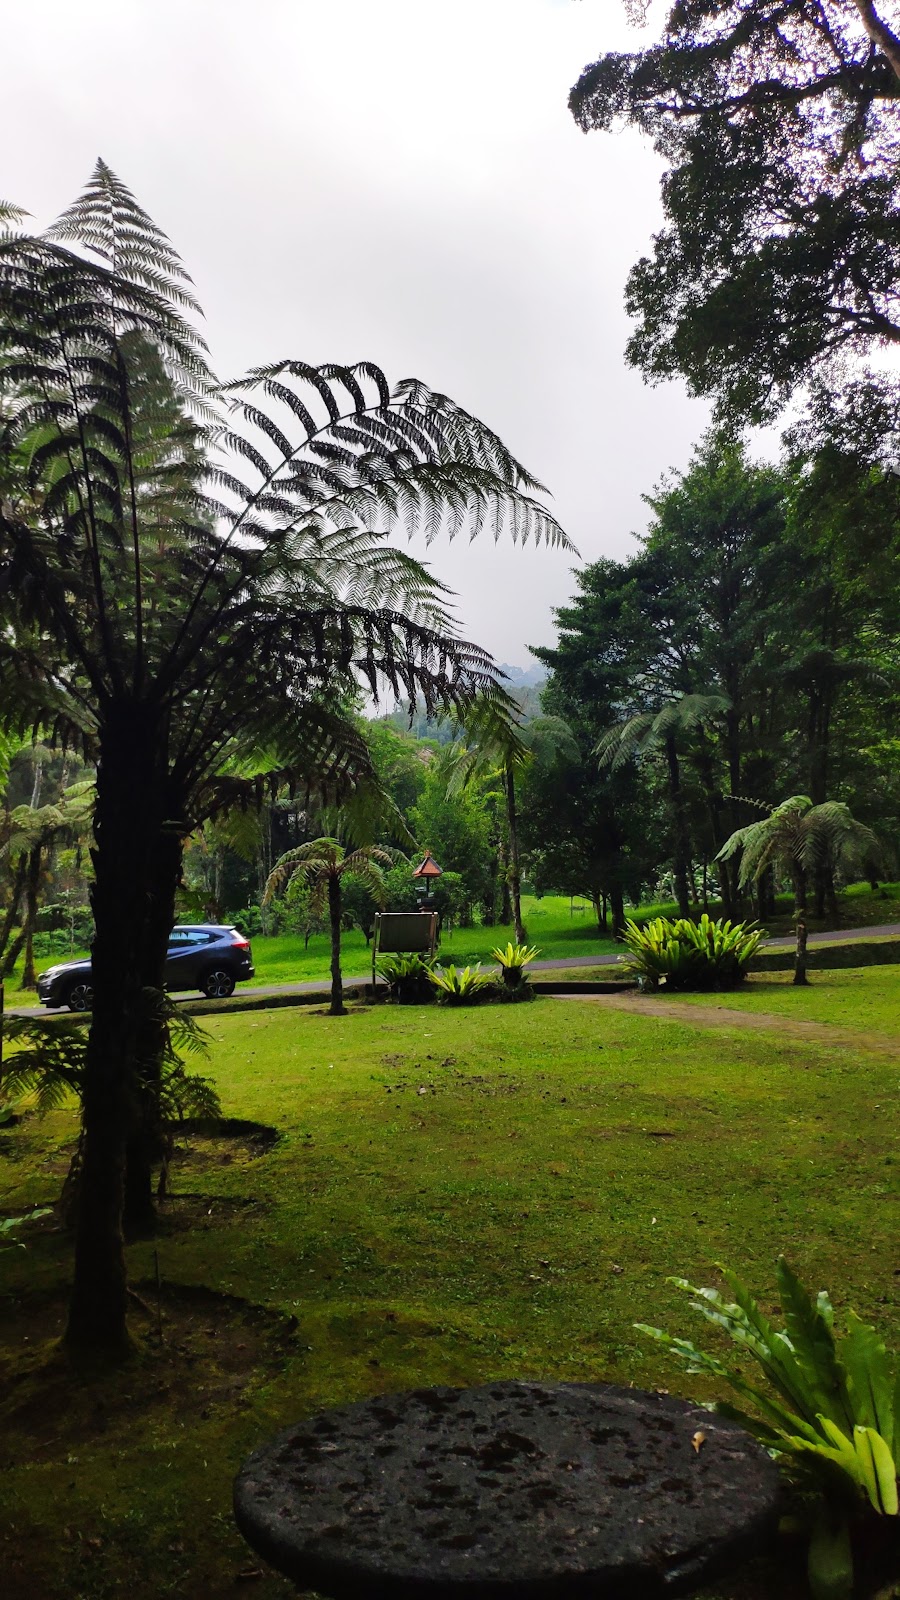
(679, 826)
(32, 887)
(128, 820)
(515, 874)
(334, 919)
(145, 1144)
(9, 951)
(800, 920)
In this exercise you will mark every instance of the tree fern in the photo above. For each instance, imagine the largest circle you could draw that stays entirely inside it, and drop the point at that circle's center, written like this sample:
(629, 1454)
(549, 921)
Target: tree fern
(187, 566)
(800, 839)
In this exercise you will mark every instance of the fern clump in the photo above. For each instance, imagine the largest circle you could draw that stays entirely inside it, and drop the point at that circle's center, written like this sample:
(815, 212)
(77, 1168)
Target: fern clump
(461, 986)
(686, 955)
(407, 976)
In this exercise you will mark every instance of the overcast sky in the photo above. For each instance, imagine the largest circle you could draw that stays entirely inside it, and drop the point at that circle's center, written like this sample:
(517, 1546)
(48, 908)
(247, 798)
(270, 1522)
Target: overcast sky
(394, 180)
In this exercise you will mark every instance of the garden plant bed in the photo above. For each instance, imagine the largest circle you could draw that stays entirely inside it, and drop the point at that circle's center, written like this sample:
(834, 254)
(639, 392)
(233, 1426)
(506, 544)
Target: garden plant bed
(455, 1196)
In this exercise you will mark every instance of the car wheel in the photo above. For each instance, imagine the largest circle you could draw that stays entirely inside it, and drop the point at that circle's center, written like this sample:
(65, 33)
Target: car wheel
(217, 984)
(79, 996)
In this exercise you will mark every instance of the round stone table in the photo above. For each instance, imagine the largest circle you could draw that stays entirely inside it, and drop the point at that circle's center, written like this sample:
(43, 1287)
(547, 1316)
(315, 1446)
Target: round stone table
(514, 1491)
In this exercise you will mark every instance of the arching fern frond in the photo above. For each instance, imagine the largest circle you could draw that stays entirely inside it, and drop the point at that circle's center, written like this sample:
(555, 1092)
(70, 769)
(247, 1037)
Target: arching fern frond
(334, 443)
(107, 220)
(650, 729)
(10, 215)
(802, 835)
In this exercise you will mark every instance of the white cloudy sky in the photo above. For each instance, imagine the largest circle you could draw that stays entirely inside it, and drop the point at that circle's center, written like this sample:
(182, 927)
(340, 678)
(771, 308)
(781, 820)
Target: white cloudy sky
(397, 180)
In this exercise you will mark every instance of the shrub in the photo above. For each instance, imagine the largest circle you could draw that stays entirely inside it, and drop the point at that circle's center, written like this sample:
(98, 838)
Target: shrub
(513, 994)
(513, 961)
(463, 987)
(832, 1410)
(709, 954)
(407, 976)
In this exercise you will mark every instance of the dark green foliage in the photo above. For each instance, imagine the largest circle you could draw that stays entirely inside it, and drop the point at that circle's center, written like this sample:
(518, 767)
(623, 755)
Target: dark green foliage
(45, 1060)
(747, 649)
(779, 126)
(513, 994)
(407, 976)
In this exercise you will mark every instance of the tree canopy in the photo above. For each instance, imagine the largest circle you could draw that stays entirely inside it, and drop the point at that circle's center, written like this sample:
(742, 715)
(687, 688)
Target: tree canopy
(779, 122)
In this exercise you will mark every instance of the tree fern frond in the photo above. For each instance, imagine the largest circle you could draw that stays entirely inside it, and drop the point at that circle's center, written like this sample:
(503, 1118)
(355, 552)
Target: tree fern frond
(107, 220)
(10, 215)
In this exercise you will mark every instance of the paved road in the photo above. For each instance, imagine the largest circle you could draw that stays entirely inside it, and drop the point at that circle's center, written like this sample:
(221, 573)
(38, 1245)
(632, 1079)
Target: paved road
(561, 964)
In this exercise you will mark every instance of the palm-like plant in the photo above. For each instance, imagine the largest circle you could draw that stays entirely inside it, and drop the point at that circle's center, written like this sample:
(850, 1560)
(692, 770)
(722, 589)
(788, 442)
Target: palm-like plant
(324, 865)
(27, 836)
(494, 742)
(798, 838)
(664, 730)
(183, 576)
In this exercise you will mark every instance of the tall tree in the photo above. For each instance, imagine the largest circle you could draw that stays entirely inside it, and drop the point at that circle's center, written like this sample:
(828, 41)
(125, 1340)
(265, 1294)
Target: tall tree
(663, 730)
(779, 123)
(493, 743)
(159, 628)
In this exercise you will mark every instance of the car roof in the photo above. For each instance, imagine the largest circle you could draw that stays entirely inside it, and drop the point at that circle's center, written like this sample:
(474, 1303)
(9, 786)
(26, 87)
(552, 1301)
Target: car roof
(204, 927)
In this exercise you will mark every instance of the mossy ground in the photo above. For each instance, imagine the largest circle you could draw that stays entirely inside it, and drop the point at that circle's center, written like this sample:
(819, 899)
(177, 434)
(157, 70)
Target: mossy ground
(453, 1196)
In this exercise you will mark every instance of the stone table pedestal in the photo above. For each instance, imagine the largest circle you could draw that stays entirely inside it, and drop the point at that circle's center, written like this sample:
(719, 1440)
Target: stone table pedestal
(513, 1491)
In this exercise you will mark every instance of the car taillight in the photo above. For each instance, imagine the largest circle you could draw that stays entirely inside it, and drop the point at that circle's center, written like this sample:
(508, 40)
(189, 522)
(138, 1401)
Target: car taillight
(242, 944)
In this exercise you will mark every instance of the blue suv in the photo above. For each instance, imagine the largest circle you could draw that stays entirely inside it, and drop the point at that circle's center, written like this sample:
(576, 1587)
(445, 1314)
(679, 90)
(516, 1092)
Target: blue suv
(209, 958)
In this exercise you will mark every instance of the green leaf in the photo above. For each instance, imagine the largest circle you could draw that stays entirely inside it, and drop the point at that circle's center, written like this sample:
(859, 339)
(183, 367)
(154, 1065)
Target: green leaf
(880, 1472)
(865, 1360)
(830, 1561)
(814, 1348)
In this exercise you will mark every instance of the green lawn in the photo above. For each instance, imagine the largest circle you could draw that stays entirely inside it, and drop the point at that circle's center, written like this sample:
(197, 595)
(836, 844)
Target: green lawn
(454, 1196)
(552, 926)
(866, 999)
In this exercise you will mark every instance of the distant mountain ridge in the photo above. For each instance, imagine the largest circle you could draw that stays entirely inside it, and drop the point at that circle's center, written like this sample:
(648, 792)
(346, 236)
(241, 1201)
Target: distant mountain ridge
(525, 677)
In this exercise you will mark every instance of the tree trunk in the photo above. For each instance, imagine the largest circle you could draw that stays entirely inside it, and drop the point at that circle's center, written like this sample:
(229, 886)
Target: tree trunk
(506, 906)
(32, 886)
(681, 850)
(129, 818)
(714, 806)
(9, 920)
(334, 917)
(145, 1147)
(515, 876)
(800, 918)
(617, 906)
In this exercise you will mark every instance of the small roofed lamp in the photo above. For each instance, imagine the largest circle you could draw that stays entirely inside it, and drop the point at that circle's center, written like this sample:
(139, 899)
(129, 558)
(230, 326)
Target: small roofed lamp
(426, 876)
